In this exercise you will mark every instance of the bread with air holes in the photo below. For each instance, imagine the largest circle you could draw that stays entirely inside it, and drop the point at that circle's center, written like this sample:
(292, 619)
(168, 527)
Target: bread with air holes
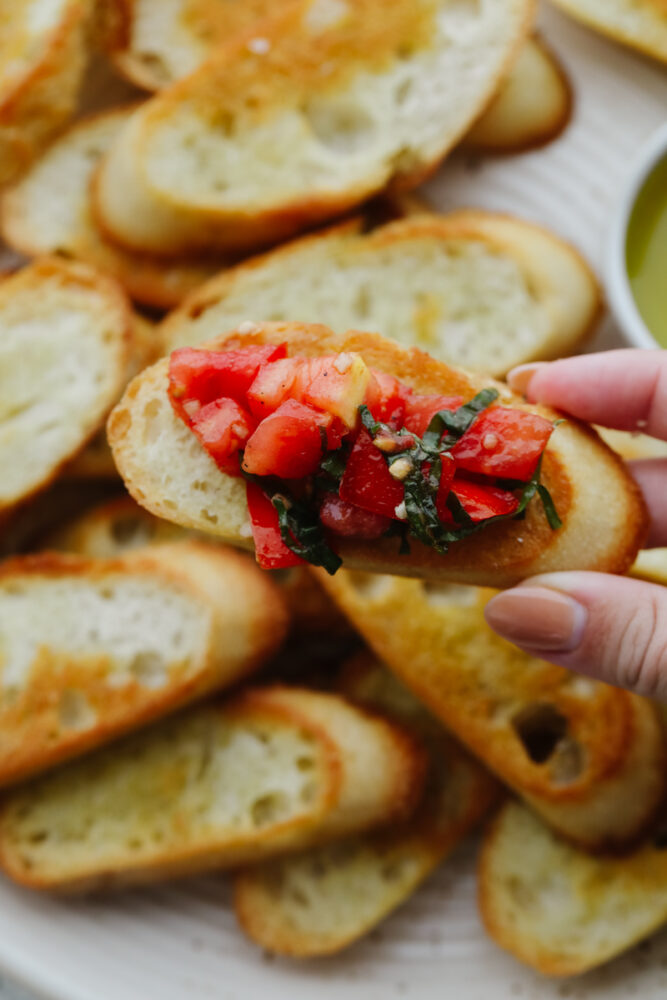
(588, 757)
(323, 900)
(154, 43)
(94, 648)
(167, 471)
(42, 61)
(120, 525)
(67, 340)
(641, 24)
(472, 288)
(274, 770)
(96, 460)
(48, 210)
(531, 108)
(355, 97)
(558, 909)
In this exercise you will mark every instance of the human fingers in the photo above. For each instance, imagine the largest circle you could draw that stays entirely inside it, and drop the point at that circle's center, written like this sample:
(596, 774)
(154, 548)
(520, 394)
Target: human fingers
(624, 389)
(611, 628)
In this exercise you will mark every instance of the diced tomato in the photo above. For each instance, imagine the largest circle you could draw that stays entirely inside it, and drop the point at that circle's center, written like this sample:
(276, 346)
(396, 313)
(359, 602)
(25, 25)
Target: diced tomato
(272, 385)
(367, 481)
(289, 442)
(335, 384)
(223, 427)
(420, 410)
(387, 398)
(270, 550)
(345, 518)
(479, 502)
(198, 377)
(504, 443)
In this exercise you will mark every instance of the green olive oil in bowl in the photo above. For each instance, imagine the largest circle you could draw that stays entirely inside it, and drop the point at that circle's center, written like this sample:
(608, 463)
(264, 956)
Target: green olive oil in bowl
(646, 252)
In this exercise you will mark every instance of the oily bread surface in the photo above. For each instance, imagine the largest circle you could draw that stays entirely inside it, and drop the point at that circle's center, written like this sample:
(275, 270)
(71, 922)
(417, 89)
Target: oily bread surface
(93, 648)
(473, 288)
(168, 472)
(154, 807)
(322, 901)
(561, 910)
(587, 756)
(639, 23)
(196, 166)
(43, 55)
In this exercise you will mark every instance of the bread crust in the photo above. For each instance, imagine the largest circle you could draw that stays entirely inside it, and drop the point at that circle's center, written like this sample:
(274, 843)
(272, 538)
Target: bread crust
(458, 794)
(344, 798)
(601, 906)
(166, 223)
(45, 94)
(590, 758)
(499, 556)
(493, 136)
(652, 43)
(34, 739)
(124, 334)
(558, 276)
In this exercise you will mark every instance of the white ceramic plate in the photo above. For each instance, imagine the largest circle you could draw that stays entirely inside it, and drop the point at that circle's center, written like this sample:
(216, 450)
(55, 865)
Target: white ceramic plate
(182, 941)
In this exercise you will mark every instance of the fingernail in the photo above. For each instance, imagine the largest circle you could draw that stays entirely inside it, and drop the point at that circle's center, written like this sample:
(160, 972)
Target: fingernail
(537, 618)
(519, 378)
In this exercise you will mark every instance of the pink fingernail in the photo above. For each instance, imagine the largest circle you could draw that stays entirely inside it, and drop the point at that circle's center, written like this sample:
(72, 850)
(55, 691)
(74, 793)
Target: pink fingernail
(538, 618)
(519, 378)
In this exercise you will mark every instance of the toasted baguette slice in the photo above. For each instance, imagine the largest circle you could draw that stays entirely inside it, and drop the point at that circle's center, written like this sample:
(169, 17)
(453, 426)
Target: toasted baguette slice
(43, 55)
(120, 525)
(651, 565)
(531, 108)
(197, 166)
(276, 769)
(66, 340)
(168, 472)
(323, 900)
(630, 446)
(472, 288)
(558, 909)
(48, 210)
(93, 648)
(588, 757)
(96, 460)
(639, 23)
(154, 43)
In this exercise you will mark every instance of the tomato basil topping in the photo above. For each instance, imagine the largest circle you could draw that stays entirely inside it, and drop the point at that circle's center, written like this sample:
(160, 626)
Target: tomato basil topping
(330, 448)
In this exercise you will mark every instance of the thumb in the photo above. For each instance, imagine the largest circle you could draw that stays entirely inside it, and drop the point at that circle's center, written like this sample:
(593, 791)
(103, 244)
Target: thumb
(608, 627)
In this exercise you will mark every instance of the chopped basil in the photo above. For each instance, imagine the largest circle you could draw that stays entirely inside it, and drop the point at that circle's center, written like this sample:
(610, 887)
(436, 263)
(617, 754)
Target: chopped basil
(302, 533)
(444, 430)
(455, 422)
(334, 464)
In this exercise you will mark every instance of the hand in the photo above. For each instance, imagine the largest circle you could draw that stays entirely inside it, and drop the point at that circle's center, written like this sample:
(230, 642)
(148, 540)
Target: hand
(607, 627)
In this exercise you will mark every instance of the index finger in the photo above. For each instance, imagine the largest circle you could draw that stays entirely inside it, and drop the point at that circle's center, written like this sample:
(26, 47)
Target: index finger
(626, 389)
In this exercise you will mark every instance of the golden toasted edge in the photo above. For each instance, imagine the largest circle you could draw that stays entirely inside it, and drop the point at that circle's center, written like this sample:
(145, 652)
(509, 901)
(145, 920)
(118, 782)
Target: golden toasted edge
(168, 562)
(547, 960)
(644, 45)
(81, 274)
(545, 131)
(28, 107)
(256, 703)
(241, 230)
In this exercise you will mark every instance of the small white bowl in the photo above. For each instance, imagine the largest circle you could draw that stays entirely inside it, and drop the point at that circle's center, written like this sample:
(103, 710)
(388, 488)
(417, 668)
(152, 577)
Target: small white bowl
(619, 290)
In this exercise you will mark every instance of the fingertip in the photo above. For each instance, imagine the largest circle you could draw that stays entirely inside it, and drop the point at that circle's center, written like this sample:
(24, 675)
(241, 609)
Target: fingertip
(519, 378)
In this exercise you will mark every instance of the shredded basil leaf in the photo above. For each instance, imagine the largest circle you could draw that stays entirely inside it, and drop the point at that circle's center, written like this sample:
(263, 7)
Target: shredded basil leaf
(302, 533)
(455, 422)
(549, 508)
(334, 464)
